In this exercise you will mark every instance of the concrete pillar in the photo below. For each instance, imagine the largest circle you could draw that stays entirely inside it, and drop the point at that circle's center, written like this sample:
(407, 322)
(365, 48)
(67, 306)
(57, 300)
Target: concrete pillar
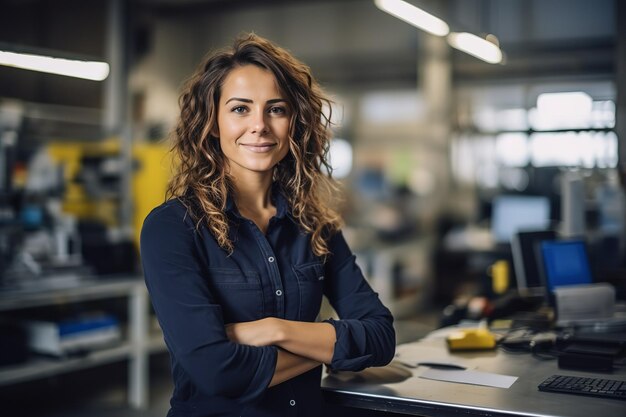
(435, 82)
(116, 119)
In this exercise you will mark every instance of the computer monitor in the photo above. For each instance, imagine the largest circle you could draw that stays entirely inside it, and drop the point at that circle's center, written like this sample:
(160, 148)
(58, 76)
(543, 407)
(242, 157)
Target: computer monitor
(513, 213)
(524, 248)
(565, 262)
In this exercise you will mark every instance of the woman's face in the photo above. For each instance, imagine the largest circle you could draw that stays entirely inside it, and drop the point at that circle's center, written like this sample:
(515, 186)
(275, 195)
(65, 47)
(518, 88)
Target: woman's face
(253, 121)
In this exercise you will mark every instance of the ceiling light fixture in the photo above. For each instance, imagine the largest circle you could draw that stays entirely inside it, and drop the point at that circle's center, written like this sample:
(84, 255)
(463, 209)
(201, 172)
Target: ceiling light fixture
(476, 46)
(89, 70)
(414, 16)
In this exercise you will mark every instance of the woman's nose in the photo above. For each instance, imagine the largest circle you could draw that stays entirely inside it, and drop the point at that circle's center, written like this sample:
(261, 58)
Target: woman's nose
(259, 124)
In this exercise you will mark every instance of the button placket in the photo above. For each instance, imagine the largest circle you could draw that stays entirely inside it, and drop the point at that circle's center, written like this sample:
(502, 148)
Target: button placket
(278, 292)
(274, 273)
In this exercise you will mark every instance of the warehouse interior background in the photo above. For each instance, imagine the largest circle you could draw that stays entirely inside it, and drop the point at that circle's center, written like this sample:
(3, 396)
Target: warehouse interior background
(429, 141)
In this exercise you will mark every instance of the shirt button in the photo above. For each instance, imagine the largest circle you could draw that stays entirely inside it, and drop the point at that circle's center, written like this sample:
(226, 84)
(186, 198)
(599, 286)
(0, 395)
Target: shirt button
(279, 293)
(292, 403)
(271, 259)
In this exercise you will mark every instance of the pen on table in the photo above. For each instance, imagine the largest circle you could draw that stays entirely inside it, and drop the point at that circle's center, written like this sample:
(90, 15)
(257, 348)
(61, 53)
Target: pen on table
(435, 365)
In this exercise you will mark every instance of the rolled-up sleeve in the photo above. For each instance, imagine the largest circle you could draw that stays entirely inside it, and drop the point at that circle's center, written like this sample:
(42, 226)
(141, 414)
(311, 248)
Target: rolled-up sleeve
(190, 316)
(365, 333)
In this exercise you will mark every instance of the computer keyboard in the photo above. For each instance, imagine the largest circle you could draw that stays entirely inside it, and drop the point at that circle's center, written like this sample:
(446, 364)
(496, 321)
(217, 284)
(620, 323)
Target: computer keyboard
(599, 387)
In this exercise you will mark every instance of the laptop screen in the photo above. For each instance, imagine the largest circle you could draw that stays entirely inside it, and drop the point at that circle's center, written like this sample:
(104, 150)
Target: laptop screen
(565, 263)
(525, 246)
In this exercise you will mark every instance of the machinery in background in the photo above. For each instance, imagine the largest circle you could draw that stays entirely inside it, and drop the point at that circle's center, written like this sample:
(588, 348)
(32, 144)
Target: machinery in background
(40, 242)
(60, 208)
(93, 175)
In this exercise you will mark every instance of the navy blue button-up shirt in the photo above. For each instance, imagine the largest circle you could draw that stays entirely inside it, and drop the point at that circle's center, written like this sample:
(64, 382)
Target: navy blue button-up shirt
(196, 288)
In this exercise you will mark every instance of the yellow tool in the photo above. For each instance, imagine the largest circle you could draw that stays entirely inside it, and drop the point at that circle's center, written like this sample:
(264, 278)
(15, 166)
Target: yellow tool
(471, 339)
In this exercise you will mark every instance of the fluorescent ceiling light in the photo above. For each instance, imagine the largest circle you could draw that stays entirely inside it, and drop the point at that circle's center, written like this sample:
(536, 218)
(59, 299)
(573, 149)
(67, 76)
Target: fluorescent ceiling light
(414, 16)
(476, 46)
(88, 70)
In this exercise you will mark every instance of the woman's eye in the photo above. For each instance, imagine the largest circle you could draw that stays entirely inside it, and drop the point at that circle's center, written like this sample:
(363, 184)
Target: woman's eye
(277, 110)
(238, 109)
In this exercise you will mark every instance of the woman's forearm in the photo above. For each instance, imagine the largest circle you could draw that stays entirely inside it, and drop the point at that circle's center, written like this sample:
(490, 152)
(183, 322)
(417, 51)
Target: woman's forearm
(315, 341)
(312, 340)
(289, 365)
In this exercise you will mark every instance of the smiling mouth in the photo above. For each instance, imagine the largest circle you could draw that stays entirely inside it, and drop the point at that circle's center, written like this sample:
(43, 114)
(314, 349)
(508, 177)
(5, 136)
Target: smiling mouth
(259, 148)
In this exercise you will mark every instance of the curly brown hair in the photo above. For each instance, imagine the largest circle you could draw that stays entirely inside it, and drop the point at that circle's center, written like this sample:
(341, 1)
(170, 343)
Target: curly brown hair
(201, 180)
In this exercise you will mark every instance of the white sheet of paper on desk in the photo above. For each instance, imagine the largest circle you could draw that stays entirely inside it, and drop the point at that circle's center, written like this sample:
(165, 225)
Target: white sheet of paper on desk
(470, 377)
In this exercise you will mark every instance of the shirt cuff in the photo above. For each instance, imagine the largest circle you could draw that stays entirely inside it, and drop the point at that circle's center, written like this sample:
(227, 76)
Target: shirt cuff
(350, 346)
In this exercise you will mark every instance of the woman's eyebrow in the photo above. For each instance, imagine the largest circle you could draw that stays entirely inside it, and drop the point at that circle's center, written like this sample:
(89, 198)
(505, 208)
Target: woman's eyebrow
(247, 100)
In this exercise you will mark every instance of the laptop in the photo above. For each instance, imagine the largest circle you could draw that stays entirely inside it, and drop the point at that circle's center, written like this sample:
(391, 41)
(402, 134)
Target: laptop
(524, 248)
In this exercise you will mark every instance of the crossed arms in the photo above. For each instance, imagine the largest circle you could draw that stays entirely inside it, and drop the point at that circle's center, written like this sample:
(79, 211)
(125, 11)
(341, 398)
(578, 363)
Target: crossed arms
(303, 346)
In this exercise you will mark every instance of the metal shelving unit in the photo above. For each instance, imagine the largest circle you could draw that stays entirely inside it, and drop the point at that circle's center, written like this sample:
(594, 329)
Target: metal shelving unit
(135, 348)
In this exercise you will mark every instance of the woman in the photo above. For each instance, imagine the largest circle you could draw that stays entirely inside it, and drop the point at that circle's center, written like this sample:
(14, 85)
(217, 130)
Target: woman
(238, 258)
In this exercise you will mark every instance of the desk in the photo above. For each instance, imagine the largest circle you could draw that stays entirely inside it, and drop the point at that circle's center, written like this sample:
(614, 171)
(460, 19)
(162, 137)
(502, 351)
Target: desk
(396, 389)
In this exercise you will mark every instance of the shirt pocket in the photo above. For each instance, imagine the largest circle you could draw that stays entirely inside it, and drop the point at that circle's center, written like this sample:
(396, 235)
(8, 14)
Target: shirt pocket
(311, 285)
(239, 293)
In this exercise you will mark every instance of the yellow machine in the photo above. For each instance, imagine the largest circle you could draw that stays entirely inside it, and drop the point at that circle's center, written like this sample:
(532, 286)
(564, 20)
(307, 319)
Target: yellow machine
(151, 172)
(149, 180)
